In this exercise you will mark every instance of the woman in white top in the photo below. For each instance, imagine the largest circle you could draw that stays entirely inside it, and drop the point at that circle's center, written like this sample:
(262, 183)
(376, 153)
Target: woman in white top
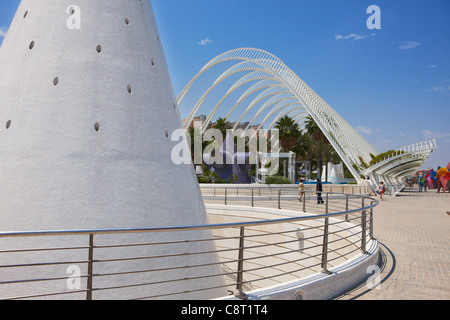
(301, 189)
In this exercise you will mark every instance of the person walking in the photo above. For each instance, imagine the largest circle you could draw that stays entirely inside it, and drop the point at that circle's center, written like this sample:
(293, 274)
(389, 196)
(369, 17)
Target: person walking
(319, 194)
(301, 190)
(382, 189)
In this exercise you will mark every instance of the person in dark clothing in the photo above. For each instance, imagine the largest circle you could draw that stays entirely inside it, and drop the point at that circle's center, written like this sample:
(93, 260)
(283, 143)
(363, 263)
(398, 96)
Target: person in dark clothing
(319, 195)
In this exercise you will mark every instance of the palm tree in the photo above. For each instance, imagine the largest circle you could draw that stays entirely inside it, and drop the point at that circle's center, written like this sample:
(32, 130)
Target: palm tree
(301, 146)
(327, 155)
(289, 132)
(191, 134)
(304, 148)
(196, 138)
(222, 125)
(313, 129)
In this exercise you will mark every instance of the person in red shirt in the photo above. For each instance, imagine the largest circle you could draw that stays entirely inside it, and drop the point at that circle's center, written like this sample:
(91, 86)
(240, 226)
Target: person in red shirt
(382, 189)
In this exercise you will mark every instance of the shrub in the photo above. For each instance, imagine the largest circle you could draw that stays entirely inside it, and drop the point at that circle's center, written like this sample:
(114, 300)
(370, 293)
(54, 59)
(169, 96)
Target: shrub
(277, 180)
(384, 155)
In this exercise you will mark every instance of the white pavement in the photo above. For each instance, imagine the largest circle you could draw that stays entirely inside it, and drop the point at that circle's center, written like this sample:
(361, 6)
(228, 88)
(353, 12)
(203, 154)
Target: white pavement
(414, 232)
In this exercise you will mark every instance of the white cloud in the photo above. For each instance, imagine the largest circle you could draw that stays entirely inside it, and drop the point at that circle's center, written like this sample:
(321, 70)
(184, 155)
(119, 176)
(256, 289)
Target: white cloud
(351, 37)
(435, 135)
(432, 66)
(3, 32)
(364, 130)
(407, 45)
(205, 42)
(439, 89)
(443, 86)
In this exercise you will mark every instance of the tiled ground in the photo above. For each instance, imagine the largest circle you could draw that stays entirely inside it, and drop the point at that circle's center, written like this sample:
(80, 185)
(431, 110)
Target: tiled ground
(414, 232)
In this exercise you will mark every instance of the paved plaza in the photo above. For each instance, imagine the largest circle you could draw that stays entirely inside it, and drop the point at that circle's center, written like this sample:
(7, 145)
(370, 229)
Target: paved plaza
(413, 231)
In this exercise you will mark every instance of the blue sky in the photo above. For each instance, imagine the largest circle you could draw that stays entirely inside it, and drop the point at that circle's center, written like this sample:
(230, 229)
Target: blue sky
(392, 84)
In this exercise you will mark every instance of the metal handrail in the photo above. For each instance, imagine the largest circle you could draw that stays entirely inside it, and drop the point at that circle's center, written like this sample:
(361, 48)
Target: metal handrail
(362, 212)
(171, 229)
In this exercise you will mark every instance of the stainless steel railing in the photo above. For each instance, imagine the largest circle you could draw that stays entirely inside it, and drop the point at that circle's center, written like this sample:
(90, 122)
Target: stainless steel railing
(252, 253)
(226, 194)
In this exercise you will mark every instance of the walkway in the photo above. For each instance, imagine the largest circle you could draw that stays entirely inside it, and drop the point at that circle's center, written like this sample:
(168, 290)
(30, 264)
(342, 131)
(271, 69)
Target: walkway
(414, 232)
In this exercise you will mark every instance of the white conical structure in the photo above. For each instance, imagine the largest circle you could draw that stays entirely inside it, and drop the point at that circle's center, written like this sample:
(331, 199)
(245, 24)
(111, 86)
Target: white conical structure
(88, 109)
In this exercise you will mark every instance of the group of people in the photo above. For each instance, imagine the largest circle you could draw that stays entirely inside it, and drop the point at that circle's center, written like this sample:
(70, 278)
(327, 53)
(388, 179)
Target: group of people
(319, 189)
(431, 179)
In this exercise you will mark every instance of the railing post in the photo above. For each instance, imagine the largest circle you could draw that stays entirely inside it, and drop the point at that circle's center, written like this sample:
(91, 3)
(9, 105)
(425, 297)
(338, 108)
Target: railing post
(325, 248)
(240, 268)
(304, 201)
(253, 204)
(279, 199)
(225, 196)
(90, 267)
(346, 207)
(364, 232)
(371, 222)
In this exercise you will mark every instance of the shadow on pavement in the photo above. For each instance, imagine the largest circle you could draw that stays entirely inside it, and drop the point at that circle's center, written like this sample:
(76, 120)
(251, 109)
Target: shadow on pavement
(388, 264)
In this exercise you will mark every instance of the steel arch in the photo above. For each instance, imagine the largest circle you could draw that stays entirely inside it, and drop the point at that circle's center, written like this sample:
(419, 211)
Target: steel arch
(269, 79)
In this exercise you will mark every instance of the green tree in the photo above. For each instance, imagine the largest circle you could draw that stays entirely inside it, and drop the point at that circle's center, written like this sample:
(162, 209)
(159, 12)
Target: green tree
(289, 133)
(302, 146)
(327, 155)
(196, 137)
(313, 129)
(222, 125)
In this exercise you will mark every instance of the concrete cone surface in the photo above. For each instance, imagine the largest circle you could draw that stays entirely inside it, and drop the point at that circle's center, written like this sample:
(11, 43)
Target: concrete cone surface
(88, 110)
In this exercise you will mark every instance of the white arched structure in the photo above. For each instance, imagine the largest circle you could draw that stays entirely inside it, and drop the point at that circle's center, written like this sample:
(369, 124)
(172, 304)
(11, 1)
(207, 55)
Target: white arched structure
(254, 84)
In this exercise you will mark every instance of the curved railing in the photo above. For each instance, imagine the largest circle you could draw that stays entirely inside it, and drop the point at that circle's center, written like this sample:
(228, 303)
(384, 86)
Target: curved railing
(258, 245)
